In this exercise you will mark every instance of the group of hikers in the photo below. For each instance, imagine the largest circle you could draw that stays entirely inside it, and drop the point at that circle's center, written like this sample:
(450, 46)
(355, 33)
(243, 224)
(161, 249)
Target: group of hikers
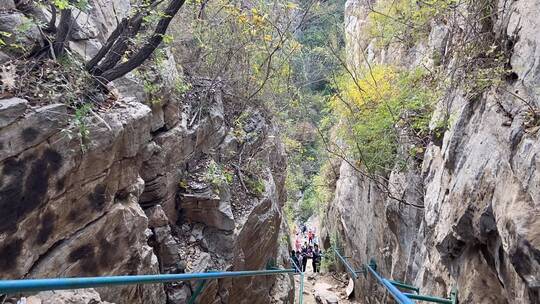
(310, 249)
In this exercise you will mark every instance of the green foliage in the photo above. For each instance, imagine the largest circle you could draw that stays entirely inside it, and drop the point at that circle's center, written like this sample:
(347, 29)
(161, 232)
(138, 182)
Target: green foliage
(238, 124)
(319, 192)
(246, 47)
(82, 5)
(315, 64)
(61, 4)
(80, 114)
(307, 209)
(290, 215)
(152, 88)
(181, 86)
(488, 73)
(376, 106)
(4, 35)
(255, 185)
(270, 60)
(15, 41)
(329, 260)
(217, 175)
(80, 122)
(404, 21)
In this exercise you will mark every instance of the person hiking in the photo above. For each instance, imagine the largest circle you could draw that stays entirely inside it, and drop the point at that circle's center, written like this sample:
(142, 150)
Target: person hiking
(310, 237)
(297, 244)
(294, 258)
(317, 255)
(307, 252)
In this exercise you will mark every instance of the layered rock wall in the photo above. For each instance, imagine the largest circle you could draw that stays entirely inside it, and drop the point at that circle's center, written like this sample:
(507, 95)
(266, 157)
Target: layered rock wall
(146, 191)
(479, 225)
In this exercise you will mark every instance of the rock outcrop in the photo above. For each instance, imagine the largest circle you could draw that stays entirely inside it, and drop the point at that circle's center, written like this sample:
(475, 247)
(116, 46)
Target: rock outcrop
(146, 191)
(478, 223)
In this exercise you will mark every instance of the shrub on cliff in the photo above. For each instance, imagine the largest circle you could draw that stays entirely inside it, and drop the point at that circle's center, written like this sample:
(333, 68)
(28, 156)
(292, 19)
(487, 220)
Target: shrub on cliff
(377, 107)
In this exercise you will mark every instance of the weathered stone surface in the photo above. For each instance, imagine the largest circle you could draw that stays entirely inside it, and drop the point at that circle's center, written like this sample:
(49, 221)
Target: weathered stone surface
(7, 5)
(229, 147)
(178, 294)
(157, 117)
(526, 47)
(95, 250)
(83, 26)
(25, 132)
(105, 14)
(357, 215)
(156, 217)
(128, 88)
(282, 293)
(217, 241)
(350, 288)
(168, 250)
(86, 48)
(4, 57)
(77, 213)
(76, 296)
(255, 246)
(209, 210)
(323, 294)
(79, 209)
(477, 184)
(23, 30)
(11, 109)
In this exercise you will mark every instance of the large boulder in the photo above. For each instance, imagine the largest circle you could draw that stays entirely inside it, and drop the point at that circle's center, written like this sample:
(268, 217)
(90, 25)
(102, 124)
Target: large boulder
(208, 209)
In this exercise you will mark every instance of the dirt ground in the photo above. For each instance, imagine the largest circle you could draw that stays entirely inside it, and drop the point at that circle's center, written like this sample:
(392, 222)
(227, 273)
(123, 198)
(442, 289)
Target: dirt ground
(329, 284)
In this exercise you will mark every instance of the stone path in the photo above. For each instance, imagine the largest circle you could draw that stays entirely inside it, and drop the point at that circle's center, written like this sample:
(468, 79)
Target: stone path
(323, 288)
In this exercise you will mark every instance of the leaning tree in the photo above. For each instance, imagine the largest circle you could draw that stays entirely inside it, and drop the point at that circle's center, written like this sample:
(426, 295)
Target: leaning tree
(110, 61)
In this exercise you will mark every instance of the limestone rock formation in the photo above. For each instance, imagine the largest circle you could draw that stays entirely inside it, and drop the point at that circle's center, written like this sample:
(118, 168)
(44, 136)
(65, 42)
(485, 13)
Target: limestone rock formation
(135, 196)
(478, 223)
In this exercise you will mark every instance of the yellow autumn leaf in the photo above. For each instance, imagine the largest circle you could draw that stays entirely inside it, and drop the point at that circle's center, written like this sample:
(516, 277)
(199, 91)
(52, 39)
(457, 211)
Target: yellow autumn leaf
(258, 20)
(242, 19)
(291, 5)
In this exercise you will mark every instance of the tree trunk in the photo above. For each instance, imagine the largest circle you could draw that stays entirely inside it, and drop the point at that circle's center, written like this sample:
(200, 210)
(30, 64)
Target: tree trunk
(149, 47)
(62, 33)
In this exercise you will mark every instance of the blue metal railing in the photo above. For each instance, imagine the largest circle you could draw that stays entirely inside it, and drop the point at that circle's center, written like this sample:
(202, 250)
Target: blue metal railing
(393, 286)
(16, 286)
(349, 268)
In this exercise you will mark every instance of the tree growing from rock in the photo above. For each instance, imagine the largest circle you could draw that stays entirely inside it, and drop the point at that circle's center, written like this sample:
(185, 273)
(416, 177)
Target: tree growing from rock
(120, 54)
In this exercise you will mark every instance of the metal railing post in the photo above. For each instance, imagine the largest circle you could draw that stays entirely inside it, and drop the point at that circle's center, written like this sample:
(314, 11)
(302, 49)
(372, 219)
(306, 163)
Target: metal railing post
(428, 298)
(392, 286)
(394, 292)
(301, 291)
(346, 264)
(404, 286)
(197, 292)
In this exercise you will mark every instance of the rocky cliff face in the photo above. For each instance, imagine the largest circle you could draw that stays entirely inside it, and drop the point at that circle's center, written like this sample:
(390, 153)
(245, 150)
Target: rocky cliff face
(156, 187)
(478, 228)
